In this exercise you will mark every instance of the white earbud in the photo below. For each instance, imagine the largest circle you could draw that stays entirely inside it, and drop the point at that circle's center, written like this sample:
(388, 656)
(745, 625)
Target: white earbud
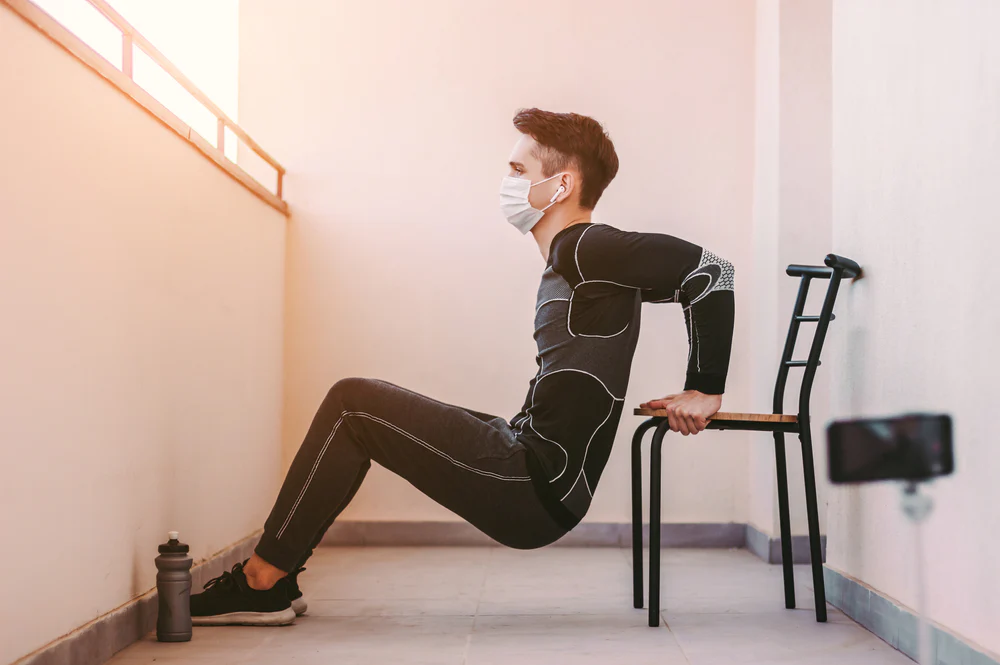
(556, 195)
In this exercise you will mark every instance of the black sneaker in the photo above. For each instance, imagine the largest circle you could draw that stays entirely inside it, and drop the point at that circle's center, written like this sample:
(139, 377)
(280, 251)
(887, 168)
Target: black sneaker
(228, 599)
(291, 583)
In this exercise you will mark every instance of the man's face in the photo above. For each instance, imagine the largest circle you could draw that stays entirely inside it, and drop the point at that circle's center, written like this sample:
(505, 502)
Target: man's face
(523, 164)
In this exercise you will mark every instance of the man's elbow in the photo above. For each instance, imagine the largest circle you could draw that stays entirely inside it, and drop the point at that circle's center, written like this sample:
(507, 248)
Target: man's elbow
(727, 276)
(721, 272)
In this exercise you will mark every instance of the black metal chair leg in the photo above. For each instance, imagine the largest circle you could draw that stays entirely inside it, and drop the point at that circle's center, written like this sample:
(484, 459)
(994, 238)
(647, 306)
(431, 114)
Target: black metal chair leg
(786, 529)
(637, 512)
(812, 513)
(654, 523)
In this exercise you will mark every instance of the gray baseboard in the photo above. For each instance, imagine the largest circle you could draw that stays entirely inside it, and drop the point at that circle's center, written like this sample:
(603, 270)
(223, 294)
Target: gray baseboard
(769, 549)
(587, 534)
(97, 641)
(896, 624)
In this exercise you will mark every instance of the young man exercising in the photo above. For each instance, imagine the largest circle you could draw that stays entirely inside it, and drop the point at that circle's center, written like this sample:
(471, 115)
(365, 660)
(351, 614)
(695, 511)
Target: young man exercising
(528, 481)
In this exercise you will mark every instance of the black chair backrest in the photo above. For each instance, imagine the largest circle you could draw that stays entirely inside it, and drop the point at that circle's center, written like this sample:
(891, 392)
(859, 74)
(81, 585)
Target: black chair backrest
(836, 269)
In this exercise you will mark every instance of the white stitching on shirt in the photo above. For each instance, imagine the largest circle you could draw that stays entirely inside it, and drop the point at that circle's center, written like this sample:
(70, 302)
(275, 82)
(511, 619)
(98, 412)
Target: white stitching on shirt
(608, 281)
(583, 463)
(569, 328)
(576, 252)
(697, 341)
(538, 378)
(690, 335)
(723, 282)
(548, 301)
(530, 424)
(582, 371)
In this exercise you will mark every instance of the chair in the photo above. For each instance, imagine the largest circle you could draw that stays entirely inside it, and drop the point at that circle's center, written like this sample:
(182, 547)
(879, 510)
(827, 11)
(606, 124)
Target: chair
(837, 268)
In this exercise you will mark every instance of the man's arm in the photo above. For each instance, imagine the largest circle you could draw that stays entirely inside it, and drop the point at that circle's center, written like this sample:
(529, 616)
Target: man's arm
(709, 310)
(666, 269)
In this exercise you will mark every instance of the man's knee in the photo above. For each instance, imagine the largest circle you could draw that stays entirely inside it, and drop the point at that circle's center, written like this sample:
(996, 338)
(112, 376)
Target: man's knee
(354, 394)
(348, 396)
(352, 385)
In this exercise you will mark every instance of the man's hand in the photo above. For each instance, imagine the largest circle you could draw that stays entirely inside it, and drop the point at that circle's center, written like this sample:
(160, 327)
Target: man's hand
(687, 412)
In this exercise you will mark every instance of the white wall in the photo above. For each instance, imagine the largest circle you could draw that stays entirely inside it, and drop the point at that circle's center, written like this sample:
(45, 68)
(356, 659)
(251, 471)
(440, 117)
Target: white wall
(394, 120)
(916, 161)
(764, 352)
(141, 300)
(792, 212)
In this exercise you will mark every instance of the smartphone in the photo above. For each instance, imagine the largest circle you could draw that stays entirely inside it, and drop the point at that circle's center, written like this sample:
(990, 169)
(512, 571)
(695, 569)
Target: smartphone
(909, 447)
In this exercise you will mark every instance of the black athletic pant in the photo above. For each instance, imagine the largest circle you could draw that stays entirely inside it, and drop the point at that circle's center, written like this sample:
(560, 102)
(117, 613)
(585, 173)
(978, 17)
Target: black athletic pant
(469, 462)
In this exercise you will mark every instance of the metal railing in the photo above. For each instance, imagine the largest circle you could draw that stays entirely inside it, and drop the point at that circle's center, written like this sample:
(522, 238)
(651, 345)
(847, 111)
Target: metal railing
(132, 38)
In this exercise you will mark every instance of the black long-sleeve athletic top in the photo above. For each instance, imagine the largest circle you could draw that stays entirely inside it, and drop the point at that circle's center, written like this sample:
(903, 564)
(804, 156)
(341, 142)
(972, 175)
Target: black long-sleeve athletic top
(587, 327)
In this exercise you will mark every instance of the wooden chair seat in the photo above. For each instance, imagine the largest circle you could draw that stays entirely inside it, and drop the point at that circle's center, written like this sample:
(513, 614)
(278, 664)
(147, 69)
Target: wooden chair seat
(726, 416)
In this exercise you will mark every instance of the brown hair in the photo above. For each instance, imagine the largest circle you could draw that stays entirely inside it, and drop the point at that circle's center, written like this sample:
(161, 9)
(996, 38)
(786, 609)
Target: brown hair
(570, 138)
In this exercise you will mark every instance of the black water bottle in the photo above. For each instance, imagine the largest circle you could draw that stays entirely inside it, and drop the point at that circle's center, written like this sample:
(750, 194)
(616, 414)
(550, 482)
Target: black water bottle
(173, 586)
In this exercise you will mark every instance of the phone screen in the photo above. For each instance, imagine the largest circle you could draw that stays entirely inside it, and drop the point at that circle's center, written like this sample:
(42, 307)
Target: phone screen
(911, 447)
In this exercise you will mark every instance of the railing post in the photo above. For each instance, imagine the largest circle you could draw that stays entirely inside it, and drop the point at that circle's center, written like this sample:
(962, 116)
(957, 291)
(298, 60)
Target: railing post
(131, 38)
(127, 54)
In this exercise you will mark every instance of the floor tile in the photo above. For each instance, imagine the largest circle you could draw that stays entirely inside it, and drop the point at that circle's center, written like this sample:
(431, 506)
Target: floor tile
(789, 636)
(367, 640)
(581, 639)
(393, 607)
(482, 605)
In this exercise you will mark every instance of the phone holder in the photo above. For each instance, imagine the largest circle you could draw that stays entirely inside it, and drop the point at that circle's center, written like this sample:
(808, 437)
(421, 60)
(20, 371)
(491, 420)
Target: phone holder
(917, 506)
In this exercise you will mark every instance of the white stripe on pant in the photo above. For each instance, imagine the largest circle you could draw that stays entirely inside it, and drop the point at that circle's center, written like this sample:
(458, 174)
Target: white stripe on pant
(467, 461)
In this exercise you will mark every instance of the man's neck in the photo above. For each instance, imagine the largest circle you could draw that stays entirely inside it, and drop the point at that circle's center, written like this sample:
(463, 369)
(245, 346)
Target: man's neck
(548, 226)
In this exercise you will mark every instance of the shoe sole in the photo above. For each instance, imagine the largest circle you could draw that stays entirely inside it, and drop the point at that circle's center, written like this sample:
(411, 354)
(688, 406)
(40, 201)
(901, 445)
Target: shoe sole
(299, 606)
(282, 618)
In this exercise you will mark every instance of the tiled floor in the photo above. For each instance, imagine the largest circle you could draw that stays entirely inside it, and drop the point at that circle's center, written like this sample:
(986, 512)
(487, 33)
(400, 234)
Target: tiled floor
(554, 605)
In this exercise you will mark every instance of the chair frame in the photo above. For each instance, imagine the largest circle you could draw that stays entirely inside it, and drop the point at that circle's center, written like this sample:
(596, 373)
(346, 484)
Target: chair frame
(836, 269)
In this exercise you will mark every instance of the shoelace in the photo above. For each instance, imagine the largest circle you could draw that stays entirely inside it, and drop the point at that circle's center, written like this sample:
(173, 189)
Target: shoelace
(225, 580)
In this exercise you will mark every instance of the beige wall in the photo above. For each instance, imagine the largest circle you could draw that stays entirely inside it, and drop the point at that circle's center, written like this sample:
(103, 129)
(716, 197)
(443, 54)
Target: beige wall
(792, 213)
(394, 120)
(805, 218)
(765, 328)
(916, 161)
(141, 296)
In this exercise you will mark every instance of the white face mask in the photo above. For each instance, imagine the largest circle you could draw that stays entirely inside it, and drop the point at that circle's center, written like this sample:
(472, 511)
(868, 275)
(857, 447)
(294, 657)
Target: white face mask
(514, 202)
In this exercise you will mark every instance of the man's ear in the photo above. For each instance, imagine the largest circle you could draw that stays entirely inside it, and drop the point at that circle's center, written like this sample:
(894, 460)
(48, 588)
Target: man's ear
(568, 185)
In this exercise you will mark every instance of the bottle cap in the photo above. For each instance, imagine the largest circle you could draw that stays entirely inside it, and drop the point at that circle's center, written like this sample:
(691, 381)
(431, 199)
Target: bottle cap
(173, 546)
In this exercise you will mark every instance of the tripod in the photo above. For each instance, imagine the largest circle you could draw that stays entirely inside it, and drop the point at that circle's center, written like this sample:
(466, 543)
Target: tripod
(917, 507)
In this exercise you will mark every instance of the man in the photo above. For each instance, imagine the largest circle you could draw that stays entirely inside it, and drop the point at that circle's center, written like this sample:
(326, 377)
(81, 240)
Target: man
(528, 481)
